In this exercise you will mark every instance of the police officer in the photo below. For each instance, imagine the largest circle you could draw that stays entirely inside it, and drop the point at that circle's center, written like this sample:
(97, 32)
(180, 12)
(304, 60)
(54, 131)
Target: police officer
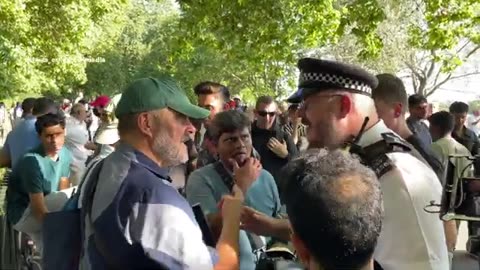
(336, 101)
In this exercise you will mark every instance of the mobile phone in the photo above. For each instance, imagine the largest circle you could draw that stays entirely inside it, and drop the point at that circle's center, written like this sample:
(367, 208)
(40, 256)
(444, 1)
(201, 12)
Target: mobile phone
(202, 222)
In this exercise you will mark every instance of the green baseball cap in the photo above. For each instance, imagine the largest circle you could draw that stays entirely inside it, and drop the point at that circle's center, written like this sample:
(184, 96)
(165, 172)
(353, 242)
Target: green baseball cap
(150, 94)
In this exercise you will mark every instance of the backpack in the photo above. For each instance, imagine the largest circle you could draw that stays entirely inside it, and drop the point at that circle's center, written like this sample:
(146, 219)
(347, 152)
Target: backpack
(63, 234)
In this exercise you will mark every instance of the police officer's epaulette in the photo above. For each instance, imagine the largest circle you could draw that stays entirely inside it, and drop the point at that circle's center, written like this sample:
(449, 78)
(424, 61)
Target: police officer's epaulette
(375, 155)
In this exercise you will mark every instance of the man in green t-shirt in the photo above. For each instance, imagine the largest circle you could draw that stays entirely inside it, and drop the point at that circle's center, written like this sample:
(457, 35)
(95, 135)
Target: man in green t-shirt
(37, 177)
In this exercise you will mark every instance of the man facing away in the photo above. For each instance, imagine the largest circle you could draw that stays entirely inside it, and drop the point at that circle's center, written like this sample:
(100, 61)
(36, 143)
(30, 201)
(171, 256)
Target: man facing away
(345, 199)
(24, 136)
(137, 216)
(390, 99)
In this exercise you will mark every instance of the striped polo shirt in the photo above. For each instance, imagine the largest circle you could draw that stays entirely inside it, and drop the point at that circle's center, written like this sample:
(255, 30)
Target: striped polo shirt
(140, 219)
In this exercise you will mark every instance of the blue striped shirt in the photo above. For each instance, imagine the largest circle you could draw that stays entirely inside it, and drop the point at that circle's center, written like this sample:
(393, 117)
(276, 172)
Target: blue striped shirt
(139, 216)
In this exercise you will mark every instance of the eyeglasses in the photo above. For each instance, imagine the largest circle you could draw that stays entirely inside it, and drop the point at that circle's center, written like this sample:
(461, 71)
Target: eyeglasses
(264, 113)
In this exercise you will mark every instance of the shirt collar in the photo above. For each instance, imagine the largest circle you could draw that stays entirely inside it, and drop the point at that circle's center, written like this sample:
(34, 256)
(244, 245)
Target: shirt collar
(144, 161)
(374, 134)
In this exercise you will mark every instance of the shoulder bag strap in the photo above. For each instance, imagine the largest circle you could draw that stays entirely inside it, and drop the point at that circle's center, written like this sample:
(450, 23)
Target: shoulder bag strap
(255, 240)
(87, 203)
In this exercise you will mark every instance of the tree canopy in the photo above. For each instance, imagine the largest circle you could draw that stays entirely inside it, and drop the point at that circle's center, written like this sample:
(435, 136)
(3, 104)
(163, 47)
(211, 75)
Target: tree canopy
(61, 47)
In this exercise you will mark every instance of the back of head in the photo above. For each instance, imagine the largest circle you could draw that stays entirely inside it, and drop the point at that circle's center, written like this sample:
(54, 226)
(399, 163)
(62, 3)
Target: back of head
(443, 121)
(28, 104)
(345, 200)
(416, 99)
(459, 107)
(49, 120)
(390, 90)
(208, 87)
(227, 122)
(43, 106)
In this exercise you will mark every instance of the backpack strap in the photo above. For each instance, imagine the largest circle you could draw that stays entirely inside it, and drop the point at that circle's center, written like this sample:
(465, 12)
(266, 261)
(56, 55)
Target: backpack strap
(255, 240)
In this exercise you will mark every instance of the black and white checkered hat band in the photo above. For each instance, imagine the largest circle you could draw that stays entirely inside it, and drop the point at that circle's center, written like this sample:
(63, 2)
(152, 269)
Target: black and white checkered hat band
(339, 81)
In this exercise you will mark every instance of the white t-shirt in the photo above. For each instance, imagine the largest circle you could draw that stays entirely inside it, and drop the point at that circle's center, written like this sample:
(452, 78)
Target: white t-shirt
(475, 128)
(410, 238)
(448, 146)
(77, 137)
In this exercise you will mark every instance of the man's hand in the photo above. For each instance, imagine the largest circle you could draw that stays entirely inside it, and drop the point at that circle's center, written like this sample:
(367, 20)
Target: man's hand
(256, 222)
(247, 174)
(5, 161)
(279, 148)
(231, 205)
(261, 224)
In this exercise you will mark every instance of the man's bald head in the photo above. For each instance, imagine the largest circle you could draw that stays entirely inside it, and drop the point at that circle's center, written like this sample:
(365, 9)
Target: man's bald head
(344, 197)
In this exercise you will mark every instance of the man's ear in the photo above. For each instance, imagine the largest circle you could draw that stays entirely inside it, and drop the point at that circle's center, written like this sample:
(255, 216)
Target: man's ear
(346, 104)
(398, 110)
(302, 252)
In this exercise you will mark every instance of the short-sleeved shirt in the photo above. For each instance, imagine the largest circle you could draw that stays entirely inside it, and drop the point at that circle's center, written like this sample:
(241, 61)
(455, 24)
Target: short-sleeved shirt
(206, 187)
(140, 217)
(410, 238)
(21, 139)
(35, 173)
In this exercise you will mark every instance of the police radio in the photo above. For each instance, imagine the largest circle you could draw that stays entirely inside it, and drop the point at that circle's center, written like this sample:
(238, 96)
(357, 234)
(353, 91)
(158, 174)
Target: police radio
(462, 187)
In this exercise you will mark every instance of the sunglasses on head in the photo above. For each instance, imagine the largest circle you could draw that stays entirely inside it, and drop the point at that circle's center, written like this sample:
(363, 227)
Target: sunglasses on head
(263, 113)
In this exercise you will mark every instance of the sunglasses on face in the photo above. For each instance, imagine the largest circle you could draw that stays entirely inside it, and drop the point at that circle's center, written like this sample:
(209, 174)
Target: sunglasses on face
(263, 113)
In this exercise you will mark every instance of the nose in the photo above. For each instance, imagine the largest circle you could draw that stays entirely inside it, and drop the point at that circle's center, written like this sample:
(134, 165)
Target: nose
(190, 128)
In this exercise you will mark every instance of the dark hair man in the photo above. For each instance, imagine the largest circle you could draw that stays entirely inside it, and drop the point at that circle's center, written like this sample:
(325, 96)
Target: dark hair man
(390, 99)
(418, 107)
(274, 145)
(461, 133)
(24, 137)
(345, 200)
(136, 211)
(36, 178)
(230, 131)
(336, 102)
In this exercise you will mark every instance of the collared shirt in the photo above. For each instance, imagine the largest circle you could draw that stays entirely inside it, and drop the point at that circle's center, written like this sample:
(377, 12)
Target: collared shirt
(21, 139)
(410, 238)
(469, 139)
(420, 129)
(136, 206)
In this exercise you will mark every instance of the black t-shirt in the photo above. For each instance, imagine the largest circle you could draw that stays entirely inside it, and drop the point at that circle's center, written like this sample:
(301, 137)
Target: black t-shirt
(428, 155)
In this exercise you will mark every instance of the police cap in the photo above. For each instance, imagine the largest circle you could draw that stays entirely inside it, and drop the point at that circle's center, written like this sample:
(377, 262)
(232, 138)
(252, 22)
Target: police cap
(318, 75)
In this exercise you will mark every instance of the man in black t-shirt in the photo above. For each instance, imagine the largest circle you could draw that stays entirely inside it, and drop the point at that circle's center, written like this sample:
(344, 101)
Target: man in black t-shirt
(391, 102)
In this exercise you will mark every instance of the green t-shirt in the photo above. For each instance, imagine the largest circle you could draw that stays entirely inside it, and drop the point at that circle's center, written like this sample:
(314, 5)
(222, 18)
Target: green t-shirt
(34, 173)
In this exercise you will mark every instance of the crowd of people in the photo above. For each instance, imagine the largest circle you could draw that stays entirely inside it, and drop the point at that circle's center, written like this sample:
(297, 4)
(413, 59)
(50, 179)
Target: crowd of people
(272, 176)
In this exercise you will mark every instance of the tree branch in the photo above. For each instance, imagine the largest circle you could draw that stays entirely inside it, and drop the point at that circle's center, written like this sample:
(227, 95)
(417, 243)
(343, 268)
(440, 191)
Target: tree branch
(474, 50)
(465, 75)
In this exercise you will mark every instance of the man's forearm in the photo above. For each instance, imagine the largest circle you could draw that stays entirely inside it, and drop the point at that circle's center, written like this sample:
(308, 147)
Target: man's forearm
(450, 228)
(227, 246)
(281, 229)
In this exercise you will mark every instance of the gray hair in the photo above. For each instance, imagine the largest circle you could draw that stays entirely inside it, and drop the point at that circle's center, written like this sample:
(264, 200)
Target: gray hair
(334, 204)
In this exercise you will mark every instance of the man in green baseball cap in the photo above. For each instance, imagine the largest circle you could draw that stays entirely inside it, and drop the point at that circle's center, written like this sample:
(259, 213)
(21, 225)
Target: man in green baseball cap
(156, 112)
(138, 216)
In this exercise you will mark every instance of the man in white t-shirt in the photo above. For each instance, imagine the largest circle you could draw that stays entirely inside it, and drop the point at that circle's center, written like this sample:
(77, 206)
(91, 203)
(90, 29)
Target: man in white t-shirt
(77, 141)
(473, 122)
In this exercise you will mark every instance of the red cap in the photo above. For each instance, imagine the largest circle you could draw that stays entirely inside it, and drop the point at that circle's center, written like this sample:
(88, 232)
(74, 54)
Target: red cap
(100, 101)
